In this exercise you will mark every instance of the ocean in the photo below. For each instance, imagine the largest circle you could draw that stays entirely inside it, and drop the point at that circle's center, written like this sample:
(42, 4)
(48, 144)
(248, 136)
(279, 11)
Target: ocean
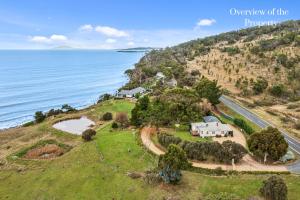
(38, 80)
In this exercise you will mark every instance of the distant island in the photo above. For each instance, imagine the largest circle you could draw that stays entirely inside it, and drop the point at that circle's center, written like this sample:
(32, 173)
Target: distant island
(137, 49)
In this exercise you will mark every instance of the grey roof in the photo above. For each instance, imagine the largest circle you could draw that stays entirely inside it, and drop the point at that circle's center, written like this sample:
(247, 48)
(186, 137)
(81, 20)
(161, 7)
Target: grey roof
(133, 91)
(211, 119)
(210, 126)
(160, 75)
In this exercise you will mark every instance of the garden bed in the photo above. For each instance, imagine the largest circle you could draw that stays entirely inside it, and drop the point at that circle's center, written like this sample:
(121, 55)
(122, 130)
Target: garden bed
(44, 149)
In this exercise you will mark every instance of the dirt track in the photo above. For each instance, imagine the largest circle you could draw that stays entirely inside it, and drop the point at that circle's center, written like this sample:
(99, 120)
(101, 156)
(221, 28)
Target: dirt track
(247, 163)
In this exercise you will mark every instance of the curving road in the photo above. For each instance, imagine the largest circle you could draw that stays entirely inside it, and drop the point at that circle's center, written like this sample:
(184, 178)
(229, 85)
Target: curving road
(294, 144)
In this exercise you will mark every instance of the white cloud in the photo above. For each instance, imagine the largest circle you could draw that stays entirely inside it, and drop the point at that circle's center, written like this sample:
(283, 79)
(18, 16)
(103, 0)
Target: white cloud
(58, 38)
(110, 31)
(206, 22)
(52, 38)
(86, 27)
(110, 40)
(40, 39)
(130, 43)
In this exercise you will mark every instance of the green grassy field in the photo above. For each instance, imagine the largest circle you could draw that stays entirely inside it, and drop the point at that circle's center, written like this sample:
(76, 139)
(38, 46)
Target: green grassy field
(233, 114)
(186, 135)
(98, 170)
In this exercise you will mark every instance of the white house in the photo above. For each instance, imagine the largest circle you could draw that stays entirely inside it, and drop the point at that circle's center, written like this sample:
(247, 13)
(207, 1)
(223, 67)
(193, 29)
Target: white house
(210, 129)
(160, 75)
(172, 83)
(131, 93)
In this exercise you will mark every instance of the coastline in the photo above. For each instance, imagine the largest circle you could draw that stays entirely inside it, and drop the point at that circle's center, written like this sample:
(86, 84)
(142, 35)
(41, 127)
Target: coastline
(83, 103)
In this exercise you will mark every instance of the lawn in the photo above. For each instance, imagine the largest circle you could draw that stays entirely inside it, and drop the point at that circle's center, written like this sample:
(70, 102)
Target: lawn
(233, 114)
(186, 135)
(98, 170)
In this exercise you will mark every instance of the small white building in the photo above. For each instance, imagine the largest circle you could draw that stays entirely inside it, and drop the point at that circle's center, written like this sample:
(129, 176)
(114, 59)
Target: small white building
(131, 93)
(210, 129)
(172, 83)
(160, 75)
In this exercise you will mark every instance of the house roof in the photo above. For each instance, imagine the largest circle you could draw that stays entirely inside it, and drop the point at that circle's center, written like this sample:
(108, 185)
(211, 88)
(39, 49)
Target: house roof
(133, 91)
(160, 75)
(210, 126)
(210, 119)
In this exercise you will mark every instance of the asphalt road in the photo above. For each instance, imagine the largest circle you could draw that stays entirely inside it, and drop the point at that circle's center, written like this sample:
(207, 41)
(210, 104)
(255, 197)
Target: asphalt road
(293, 143)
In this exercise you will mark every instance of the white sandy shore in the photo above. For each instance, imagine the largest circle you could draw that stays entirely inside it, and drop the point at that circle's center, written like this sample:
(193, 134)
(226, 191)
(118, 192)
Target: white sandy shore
(74, 126)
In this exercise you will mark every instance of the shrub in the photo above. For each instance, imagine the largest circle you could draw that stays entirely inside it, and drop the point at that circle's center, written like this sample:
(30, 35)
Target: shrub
(243, 125)
(202, 151)
(165, 139)
(171, 163)
(28, 124)
(91, 132)
(53, 112)
(86, 136)
(260, 85)
(114, 125)
(39, 117)
(104, 97)
(107, 116)
(277, 90)
(152, 177)
(195, 72)
(122, 119)
(274, 188)
(67, 108)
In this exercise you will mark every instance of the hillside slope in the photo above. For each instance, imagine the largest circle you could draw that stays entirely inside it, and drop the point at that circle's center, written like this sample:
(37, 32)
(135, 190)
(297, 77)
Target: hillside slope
(259, 66)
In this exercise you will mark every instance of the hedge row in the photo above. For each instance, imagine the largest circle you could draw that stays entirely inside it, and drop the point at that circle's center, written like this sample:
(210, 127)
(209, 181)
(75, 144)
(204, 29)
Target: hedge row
(202, 151)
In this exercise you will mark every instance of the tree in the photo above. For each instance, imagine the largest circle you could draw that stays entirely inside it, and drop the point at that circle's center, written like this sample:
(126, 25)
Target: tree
(67, 108)
(274, 188)
(87, 136)
(107, 116)
(144, 102)
(39, 116)
(234, 150)
(122, 119)
(114, 125)
(268, 142)
(260, 85)
(90, 132)
(171, 163)
(277, 90)
(209, 90)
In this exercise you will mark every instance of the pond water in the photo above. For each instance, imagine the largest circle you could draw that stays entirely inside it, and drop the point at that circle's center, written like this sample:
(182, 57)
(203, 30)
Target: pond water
(74, 126)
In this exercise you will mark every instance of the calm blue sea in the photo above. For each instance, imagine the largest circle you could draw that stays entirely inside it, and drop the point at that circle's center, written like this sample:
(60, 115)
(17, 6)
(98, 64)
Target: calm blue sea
(34, 80)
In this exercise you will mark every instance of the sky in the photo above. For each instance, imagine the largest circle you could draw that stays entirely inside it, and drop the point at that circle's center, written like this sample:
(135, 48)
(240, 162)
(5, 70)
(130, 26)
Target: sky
(112, 24)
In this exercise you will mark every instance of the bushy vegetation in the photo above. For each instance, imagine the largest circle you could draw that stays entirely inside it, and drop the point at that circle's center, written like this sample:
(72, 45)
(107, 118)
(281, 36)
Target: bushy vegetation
(172, 106)
(260, 85)
(243, 125)
(274, 188)
(268, 144)
(88, 134)
(231, 50)
(39, 116)
(209, 90)
(203, 151)
(171, 163)
(107, 116)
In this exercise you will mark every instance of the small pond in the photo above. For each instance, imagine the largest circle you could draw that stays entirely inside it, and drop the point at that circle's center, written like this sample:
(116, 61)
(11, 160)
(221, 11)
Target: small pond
(74, 126)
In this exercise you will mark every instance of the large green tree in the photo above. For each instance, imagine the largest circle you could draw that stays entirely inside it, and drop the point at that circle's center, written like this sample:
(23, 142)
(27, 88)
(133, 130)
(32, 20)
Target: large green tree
(269, 143)
(209, 90)
(274, 188)
(171, 163)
